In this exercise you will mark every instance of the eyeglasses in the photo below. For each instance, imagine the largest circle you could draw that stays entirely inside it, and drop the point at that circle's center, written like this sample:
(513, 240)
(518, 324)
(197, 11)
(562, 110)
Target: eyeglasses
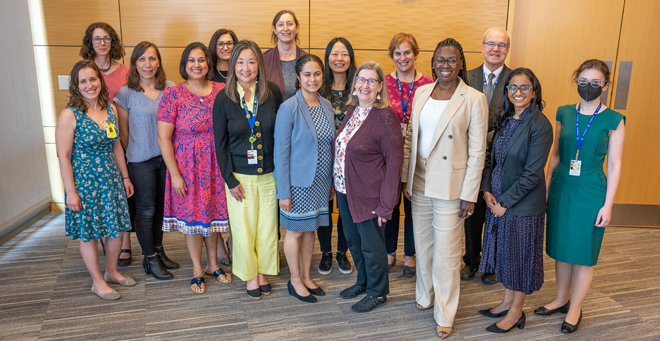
(524, 89)
(223, 44)
(371, 81)
(97, 40)
(442, 61)
(492, 44)
(596, 83)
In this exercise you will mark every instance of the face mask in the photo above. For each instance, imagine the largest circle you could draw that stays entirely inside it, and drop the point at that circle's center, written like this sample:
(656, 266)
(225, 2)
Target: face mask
(589, 92)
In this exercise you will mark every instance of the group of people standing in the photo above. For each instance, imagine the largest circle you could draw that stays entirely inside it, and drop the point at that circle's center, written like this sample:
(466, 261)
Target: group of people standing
(247, 133)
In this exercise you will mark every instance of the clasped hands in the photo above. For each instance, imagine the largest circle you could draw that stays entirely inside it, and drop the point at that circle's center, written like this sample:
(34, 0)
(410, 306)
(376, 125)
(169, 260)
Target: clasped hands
(494, 206)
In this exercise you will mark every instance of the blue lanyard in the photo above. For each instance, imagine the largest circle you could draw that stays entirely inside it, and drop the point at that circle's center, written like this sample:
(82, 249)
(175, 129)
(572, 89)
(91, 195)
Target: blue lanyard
(404, 105)
(577, 128)
(251, 118)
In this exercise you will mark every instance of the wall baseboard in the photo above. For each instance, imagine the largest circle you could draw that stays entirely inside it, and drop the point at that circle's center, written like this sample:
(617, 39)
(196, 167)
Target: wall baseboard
(633, 215)
(24, 220)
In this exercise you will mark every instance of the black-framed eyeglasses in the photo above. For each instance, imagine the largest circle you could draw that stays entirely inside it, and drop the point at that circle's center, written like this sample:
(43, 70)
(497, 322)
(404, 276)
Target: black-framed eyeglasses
(596, 83)
(223, 44)
(98, 40)
(524, 89)
(492, 44)
(451, 62)
(371, 81)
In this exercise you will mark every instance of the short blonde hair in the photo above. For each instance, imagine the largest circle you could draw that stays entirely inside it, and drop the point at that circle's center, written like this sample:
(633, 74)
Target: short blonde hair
(381, 103)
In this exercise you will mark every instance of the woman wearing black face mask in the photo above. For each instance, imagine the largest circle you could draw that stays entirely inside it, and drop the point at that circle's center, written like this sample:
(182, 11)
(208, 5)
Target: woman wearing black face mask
(580, 197)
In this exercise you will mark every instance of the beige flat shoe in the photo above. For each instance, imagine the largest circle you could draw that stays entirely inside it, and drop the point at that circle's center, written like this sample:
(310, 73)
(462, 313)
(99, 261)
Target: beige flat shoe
(111, 296)
(444, 332)
(126, 282)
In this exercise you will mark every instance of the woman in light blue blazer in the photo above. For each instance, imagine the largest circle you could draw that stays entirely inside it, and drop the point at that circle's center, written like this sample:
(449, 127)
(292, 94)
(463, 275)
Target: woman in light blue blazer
(304, 132)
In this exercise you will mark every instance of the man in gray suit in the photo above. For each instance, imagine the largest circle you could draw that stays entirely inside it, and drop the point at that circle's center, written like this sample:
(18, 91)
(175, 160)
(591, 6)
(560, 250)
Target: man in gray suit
(488, 78)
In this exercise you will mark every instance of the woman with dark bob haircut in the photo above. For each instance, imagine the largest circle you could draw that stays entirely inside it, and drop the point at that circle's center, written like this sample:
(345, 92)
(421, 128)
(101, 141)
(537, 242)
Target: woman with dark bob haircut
(94, 174)
(513, 183)
(195, 200)
(220, 47)
(137, 107)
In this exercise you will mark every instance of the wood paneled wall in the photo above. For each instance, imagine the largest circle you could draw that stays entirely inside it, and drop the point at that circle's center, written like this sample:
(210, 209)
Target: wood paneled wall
(171, 24)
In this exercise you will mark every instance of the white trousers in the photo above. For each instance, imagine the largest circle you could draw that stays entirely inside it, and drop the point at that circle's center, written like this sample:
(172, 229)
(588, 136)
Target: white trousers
(438, 231)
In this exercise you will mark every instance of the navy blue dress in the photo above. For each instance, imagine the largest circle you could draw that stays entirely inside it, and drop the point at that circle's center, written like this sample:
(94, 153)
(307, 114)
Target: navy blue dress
(513, 245)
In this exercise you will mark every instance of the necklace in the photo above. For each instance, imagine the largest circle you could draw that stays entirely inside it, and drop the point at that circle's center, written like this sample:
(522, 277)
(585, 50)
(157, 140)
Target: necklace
(105, 70)
(220, 73)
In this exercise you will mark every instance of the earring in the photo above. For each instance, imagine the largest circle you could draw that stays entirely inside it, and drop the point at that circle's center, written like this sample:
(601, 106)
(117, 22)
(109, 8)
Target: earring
(378, 97)
(354, 93)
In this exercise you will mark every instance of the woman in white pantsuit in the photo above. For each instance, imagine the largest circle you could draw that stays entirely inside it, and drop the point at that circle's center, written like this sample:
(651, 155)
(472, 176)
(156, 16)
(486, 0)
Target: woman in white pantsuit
(444, 156)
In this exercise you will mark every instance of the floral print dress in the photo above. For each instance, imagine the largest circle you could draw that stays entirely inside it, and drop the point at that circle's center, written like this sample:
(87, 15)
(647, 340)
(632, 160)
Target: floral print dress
(98, 183)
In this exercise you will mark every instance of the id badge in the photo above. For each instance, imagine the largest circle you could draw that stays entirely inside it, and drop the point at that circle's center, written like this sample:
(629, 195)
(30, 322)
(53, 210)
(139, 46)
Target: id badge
(404, 129)
(252, 157)
(575, 167)
(111, 130)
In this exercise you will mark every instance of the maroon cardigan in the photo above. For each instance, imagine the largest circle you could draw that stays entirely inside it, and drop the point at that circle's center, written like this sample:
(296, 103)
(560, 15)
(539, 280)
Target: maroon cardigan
(372, 166)
(274, 68)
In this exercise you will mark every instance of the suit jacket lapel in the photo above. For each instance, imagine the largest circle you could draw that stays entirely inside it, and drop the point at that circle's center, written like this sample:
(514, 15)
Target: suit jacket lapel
(519, 131)
(455, 102)
(477, 80)
(497, 91)
(306, 115)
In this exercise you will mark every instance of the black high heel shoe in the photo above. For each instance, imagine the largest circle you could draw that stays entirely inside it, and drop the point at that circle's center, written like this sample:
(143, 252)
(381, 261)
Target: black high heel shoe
(543, 311)
(568, 328)
(292, 291)
(488, 313)
(493, 328)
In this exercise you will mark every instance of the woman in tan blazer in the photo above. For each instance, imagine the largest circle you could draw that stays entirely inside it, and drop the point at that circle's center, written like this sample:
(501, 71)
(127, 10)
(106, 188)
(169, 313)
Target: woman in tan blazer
(444, 155)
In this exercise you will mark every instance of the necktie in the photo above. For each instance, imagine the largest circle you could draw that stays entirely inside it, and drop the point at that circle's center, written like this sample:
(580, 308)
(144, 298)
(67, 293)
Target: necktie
(489, 87)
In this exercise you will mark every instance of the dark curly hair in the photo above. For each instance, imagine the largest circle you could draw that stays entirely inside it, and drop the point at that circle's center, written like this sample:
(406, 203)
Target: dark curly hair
(451, 42)
(304, 60)
(87, 47)
(76, 99)
(507, 109)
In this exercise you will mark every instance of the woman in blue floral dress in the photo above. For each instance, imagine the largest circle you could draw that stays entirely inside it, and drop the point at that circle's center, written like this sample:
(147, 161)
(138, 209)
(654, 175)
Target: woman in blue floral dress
(94, 173)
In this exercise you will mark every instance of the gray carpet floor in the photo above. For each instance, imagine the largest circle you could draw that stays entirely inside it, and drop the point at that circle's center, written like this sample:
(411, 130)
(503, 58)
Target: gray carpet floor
(45, 295)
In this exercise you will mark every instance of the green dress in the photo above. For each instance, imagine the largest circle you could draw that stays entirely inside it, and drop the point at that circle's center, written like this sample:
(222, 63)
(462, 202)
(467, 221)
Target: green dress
(574, 201)
(98, 183)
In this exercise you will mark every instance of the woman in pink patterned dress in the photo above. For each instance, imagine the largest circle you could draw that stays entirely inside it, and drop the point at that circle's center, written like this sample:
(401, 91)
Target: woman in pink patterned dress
(195, 200)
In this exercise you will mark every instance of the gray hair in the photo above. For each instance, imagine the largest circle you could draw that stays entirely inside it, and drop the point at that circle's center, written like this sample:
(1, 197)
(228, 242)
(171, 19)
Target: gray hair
(508, 37)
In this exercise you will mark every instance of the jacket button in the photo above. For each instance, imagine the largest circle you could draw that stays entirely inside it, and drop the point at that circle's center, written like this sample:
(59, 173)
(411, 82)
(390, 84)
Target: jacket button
(260, 157)
(258, 146)
(444, 158)
(256, 123)
(450, 137)
(259, 170)
(259, 135)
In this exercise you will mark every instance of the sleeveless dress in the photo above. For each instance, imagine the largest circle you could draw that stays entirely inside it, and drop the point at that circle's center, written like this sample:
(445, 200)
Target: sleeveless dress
(309, 205)
(98, 183)
(513, 245)
(574, 201)
(204, 209)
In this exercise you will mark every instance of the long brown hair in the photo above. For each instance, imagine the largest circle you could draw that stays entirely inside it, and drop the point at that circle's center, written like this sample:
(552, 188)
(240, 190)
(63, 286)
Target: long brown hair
(273, 36)
(76, 99)
(133, 78)
(214, 39)
(262, 91)
(87, 47)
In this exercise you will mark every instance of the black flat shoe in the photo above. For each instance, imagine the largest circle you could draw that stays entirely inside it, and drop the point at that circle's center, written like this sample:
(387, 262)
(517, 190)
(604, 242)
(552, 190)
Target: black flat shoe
(124, 262)
(254, 293)
(409, 271)
(317, 291)
(543, 311)
(488, 279)
(568, 328)
(467, 273)
(292, 291)
(488, 313)
(266, 289)
(493, 328)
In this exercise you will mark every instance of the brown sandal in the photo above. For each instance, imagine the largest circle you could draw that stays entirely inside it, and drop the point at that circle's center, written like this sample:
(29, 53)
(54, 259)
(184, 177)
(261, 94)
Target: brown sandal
(446, 331)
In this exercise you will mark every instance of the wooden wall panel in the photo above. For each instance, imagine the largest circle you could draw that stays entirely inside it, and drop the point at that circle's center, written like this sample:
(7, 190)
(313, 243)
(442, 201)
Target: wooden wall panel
(640, 178)
(53, 61)
(63, 22)
(368, 26)
(176, 23)
(567, 39)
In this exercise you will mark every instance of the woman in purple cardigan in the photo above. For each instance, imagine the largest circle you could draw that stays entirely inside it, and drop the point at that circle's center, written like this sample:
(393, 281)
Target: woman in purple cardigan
(367, 170)
(281, 60)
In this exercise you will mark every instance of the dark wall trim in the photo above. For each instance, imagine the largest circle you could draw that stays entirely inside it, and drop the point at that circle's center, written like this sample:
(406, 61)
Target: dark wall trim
(12, 230)
(635, 215)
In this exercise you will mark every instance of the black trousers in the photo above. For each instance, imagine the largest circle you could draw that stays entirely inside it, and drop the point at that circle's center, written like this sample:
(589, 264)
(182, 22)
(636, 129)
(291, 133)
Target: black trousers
(392, 229)
(474, 226)
(148, 180)
(366, 240)
(324, 234)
